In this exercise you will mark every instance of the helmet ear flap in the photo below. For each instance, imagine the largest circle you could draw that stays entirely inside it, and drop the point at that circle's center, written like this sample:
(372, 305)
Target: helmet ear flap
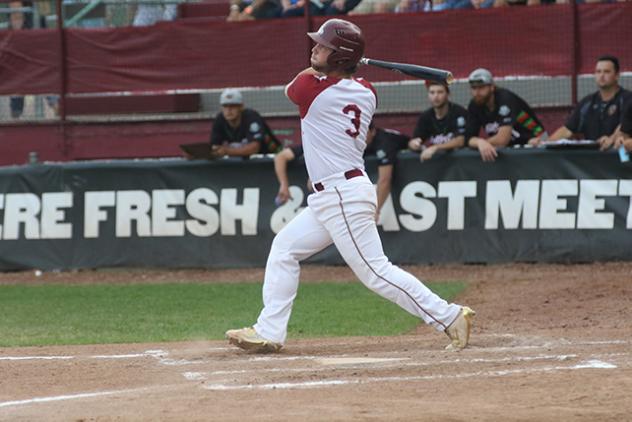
(337, 60)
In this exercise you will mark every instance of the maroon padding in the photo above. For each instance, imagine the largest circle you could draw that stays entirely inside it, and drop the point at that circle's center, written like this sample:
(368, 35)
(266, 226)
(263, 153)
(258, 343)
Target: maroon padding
(196, 53)
(185, 54)
(181, 103)
(158, 139)
(605, 30)
(29, 62)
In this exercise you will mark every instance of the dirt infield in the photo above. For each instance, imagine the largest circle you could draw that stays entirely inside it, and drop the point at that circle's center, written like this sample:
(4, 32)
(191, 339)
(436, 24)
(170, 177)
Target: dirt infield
(551, 343)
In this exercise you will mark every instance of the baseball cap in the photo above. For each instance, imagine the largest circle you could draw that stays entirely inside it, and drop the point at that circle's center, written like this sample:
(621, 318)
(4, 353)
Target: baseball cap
(480, 76)
(231, 96)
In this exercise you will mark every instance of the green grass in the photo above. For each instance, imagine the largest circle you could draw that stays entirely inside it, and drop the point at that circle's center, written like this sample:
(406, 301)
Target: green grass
(73, 314)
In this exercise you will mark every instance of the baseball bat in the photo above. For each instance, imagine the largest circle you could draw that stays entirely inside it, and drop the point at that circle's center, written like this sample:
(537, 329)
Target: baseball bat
(416, 71)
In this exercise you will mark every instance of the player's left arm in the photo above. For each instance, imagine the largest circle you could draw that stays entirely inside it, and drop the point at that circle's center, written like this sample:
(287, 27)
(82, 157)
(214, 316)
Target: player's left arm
(502, 138)
(308, 71)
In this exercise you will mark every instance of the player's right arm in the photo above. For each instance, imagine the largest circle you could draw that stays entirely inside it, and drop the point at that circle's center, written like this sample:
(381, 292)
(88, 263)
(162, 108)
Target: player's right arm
(280, 168)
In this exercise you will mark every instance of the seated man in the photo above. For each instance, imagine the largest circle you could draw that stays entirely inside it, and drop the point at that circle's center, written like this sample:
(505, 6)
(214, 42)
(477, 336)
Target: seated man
(597, 116)
(442, 126)
(382, 143)
(506, 118)
(239, 131)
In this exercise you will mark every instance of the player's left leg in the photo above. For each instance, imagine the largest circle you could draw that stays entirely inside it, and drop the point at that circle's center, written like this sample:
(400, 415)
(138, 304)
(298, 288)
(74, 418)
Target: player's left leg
(356, 237)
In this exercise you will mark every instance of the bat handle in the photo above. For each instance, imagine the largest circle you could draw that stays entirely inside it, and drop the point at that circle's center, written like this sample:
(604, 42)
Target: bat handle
(364, 60)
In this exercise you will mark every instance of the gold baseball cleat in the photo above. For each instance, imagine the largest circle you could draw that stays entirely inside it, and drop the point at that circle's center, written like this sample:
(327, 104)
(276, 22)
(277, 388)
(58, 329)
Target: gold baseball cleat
(459, 330)
(248, 339)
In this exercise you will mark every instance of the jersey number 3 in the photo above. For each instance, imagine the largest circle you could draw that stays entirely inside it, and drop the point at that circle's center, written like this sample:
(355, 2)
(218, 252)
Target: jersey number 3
(352, 108)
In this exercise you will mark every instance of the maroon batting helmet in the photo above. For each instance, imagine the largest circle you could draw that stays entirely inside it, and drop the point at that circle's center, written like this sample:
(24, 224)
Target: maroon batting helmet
(345, 38)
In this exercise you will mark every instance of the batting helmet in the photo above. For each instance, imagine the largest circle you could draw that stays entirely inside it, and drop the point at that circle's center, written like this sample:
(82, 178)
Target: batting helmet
(345, 38)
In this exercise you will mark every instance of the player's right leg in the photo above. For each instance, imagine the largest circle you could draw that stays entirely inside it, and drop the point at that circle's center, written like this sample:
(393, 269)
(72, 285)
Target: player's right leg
(298, 240)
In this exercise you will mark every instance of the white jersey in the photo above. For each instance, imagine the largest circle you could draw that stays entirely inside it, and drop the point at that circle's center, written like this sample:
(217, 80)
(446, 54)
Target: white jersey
(335, 117)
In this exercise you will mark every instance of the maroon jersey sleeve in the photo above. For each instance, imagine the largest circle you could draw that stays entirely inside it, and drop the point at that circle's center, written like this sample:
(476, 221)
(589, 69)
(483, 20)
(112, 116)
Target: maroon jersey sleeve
(305, 88)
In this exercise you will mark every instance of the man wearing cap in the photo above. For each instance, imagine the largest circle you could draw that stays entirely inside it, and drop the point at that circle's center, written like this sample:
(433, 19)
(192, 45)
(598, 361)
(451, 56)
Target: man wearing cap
(239, 131)
(506, 118)
(442, 126)
(598, 115)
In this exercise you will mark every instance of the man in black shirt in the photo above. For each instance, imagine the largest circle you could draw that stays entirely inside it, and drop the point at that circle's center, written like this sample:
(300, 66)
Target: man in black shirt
(442, 126)
(382, 143)
(598, 115)
(239, 131)
(506, 118)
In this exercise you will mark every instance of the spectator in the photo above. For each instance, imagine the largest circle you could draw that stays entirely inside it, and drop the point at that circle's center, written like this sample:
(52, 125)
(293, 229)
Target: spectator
(17, 22)
(382, 143)
(297, 8)
(317, 8)
(506, 118)
(597, 116)
(442, 126)
(340, 7)
(624, 137)
(239, 131)
(149, 14)
(243, 10)
(374, 6)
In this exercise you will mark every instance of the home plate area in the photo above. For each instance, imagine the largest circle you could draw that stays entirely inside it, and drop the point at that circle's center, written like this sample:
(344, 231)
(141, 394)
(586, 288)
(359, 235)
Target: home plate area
(187, 381)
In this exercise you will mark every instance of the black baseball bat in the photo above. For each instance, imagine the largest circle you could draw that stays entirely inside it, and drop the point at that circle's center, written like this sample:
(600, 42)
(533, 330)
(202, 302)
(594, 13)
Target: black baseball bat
(416, 71)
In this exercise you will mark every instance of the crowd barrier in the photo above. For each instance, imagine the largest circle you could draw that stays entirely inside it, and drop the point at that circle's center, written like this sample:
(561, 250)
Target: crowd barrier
(530, 205)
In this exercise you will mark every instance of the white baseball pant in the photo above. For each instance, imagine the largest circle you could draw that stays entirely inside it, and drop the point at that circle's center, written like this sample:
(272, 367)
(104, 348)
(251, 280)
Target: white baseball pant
(342, 213)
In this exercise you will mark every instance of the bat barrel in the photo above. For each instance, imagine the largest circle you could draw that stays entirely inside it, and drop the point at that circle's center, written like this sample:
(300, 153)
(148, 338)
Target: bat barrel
(421, 72)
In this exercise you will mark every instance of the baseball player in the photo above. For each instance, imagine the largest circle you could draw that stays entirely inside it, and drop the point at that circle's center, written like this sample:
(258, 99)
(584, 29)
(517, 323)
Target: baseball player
(442, 126)
(336, 110)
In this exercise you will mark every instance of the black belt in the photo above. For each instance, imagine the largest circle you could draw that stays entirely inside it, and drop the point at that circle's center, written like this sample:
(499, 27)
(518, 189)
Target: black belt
(348, 175)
